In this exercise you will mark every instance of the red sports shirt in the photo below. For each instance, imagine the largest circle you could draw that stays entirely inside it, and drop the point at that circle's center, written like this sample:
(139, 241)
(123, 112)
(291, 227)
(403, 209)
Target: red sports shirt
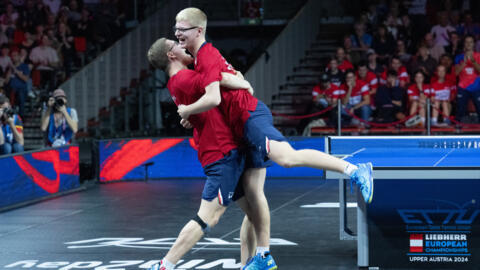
(235, 104)
(211, 133)
(371, 79)
(414, 92)
(359, 90)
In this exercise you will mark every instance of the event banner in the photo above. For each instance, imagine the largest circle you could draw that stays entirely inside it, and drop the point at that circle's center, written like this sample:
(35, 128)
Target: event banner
(176, 158)
(34, 175)
(431, 224)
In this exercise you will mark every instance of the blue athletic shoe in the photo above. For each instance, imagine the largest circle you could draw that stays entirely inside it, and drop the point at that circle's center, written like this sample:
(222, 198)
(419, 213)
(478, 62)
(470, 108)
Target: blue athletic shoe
(259, 262)
(363, 176)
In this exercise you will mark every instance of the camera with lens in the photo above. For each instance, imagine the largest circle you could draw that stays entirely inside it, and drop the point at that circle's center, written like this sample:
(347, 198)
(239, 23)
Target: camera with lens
(7, 113)
(59, 102)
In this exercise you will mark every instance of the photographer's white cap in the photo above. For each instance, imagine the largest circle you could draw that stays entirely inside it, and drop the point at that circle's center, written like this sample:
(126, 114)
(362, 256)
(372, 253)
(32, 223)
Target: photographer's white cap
(59, 93)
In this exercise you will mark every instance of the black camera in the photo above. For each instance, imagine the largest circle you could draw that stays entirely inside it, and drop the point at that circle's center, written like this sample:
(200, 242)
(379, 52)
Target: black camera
(59, 102)
(7, 113)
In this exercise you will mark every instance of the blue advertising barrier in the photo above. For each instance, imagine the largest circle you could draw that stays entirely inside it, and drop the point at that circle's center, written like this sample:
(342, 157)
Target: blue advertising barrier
(35, 175)
(177, 158)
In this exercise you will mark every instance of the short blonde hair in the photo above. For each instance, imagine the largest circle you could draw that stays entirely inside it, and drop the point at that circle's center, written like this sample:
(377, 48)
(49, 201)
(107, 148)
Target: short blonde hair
(157, 54)
(194, 16)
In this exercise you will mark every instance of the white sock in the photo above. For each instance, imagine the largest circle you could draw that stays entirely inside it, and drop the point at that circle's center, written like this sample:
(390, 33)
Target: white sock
(167, 264)
(262, 250)
(349, 169)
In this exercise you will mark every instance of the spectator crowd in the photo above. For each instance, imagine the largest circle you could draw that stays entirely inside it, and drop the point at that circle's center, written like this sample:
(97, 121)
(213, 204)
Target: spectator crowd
(42, 42)
(401, 54)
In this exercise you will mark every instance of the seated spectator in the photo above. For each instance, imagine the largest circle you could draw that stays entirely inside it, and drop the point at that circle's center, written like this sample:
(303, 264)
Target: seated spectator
(356, 99)
(66, 47)
(45, 60)
(418, 92)
(372, 65)
(383, 44)
(325, 94)
(5, 60)
(336, 75)
(467, 68)
(8, 20)
(435, 50)
(447, 61)
(389, 99)
(369, 78)
(401, 71)
(53, 5)
(11, 129)
(59, 121)
(405, 33)
(455, 46)
(442, 30)
(391, 23)
(402, 53)
(18, 80)
(360, 39)
(468, 27)
(424, 61)
(354, 54)
(441, 89)
(343, 61)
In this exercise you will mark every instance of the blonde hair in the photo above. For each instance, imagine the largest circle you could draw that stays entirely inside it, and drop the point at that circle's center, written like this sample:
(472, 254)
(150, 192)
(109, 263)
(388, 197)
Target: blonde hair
(194, 16)
(157, 54)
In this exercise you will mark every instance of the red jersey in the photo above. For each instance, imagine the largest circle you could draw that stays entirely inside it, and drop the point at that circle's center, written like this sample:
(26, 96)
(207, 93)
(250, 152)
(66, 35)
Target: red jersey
(235, 104)
(414, 92)
(359, 90)
(441, 90)
(469, 74)
(211, 133)
(333, 91)
(345, 65)
(371, 79)
(402, 75)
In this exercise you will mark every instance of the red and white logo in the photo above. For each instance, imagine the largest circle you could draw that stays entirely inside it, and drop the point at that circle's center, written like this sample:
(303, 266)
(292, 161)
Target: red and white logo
(416, 242)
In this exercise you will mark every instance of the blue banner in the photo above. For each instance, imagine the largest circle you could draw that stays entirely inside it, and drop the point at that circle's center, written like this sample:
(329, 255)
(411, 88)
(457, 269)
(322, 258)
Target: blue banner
(34, 175)
(177, 158)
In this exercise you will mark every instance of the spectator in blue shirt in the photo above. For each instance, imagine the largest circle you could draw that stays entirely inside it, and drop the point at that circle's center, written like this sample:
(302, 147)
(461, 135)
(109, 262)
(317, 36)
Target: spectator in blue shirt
(360, 39)
(11, 129)
(18, 80)
(59, 121)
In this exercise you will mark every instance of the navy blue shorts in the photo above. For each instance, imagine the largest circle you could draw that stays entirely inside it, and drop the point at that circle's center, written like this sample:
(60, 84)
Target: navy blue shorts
(222, 178)
(258, 130)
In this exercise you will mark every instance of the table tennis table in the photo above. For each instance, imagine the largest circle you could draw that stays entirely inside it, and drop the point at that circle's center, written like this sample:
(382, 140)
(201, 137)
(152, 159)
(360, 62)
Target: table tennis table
(425, 211)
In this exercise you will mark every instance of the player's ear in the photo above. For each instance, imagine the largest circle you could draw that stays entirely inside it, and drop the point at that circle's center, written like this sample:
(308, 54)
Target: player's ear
(170, 55)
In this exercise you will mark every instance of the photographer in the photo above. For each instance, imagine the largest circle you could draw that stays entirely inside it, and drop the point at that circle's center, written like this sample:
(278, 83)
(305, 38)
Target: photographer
(11, 131)
(59, 121)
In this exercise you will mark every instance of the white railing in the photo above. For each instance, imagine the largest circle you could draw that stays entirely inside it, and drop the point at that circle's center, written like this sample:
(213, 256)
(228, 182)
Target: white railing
(92, 87)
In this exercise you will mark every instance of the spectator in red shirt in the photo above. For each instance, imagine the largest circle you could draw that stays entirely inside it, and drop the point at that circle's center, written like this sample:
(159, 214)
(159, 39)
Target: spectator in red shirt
(342, 58)
(441, 89)
(467, 68)
(322, 94)
(369, 78)
(356, 99)
(418, 92)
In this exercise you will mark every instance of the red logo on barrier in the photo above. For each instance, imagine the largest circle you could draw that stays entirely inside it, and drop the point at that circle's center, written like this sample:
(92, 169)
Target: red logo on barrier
(131, 155)
(60, 167)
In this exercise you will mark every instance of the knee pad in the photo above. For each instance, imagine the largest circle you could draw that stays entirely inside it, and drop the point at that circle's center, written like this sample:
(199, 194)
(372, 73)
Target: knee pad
(205, 227)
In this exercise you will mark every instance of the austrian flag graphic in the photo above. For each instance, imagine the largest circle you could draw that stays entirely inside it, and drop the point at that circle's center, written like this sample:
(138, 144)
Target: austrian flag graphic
(416, 242)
